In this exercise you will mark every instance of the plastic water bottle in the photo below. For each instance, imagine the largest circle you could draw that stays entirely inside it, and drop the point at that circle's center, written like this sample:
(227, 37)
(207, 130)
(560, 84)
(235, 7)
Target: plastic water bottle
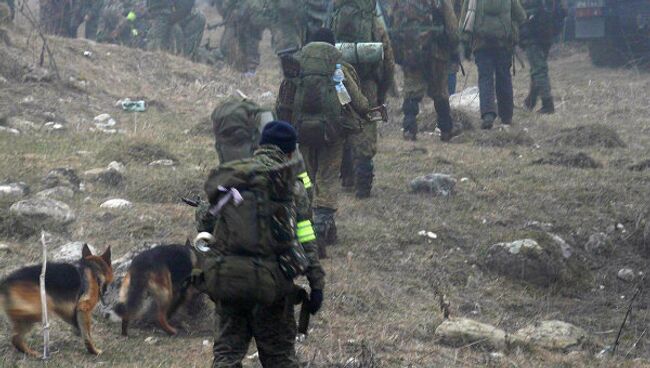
(341, 91)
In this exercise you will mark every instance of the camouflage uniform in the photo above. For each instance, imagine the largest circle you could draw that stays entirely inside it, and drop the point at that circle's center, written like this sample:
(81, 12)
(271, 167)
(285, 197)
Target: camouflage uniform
(357, 167)
(425, 63)
(123, 22)
(536, 38)
(273, 327)
(176, 26)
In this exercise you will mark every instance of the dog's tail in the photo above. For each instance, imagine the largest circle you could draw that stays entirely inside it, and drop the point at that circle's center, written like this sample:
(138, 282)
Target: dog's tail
(132, 292)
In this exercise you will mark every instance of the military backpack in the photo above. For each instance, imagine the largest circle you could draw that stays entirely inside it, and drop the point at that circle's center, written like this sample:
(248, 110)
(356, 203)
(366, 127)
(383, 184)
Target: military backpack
(416, 25)
(236, 128)
(493, 21)
(255, 225)
(308, 96)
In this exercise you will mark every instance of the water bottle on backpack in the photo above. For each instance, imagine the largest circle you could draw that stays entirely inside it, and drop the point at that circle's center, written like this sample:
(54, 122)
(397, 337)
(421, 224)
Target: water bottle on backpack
(341, 91)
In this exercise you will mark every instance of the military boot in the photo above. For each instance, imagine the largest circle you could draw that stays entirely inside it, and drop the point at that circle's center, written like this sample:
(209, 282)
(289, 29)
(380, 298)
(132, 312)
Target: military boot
(445, 122)
(548, 107)
(487, 121)
(531, 99)
(411, 109)
(364, 175)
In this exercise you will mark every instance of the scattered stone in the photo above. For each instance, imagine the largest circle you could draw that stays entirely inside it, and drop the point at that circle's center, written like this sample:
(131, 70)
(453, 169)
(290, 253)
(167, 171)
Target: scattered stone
(38, 212)
(462, 332)
(71, 252)
(116, 204)
(151, 340)
(578, 160)
(428, 234)
(524, 260)
(595, 135)
(165, 162)
(599, 244)
(105, 123)
(62, 177)
(626, 274)
(56, 193)
(53, 127)
(436, 184)
(21, 124)
(12, 192)
(111, 175)
(4, 248)
(551, 335)
(11, 131)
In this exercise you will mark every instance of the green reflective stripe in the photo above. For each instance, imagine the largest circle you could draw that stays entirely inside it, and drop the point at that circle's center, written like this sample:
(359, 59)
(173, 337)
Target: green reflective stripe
(131, 16)
(305, 180)
(305, 232)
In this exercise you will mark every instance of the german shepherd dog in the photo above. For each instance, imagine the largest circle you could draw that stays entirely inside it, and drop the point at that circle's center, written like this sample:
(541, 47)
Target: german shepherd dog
(72, 292)
(163, 272)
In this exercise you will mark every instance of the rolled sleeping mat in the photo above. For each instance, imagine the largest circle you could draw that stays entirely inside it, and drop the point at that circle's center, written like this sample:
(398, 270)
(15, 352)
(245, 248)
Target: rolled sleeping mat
(362, 52)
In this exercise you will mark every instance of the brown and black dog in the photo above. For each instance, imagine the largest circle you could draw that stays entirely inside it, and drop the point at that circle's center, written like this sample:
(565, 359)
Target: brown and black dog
(162, 272)
(73, 291)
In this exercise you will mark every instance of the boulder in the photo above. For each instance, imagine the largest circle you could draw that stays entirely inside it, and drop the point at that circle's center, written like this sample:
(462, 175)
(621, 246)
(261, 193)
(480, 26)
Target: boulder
(526, 260)
(626, 274)
(56, 193)
(551, 335)
(62, 177)
(71, 252)
(116, 203)
(460, 332)
(109, 176)
(21, 124)
(42, 212)
(12, 192)
(436, 184)
(9, 131)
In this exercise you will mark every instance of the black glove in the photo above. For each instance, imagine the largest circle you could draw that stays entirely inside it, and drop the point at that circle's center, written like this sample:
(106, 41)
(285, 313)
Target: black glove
(315, 300)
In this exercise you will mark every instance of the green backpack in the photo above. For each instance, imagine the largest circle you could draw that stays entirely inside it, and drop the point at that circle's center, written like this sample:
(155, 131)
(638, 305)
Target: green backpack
(493, 20)
(236, 128)
(255, 224)
(317, 113)
(354, 20)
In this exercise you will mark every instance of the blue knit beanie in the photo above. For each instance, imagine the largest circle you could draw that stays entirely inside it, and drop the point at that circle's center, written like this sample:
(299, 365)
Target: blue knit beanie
(281, 134)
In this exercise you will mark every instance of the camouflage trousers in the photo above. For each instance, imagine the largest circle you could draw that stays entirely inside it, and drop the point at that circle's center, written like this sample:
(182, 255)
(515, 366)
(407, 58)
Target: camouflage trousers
(272, 327)
(362, 147)
(431, 80)
(324, 166)
(182, 37)
(537, 54)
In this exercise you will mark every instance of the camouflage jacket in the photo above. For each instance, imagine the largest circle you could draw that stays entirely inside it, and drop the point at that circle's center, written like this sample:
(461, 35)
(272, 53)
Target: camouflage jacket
(433, 12)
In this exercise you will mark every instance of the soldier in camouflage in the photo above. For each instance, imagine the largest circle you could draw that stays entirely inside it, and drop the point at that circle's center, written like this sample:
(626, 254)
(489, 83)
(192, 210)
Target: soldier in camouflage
(545, 20)
(124, 22)
(427, 34)
(176, 27)
(361, 23)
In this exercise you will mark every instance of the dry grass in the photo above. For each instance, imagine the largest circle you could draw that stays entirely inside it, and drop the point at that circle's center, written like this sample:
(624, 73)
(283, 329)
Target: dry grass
(381, 307)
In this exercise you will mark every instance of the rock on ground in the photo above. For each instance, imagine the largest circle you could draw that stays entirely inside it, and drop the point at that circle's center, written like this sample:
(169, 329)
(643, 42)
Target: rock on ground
(71, 252)
(462, 332)
(467, 100)
(626, 274)
(12, 192)
(111, 175)
(38, 212)
(116, 203)
(56, 193)
(599, 244)
(524, 260)
(436, 184)
(551, 335)
(62, 177)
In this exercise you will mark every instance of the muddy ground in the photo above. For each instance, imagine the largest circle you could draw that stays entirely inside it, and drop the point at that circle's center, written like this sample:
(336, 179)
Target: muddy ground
(577, 173)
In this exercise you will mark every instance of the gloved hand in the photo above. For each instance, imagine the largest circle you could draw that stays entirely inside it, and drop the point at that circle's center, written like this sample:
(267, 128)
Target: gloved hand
(315, 300)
